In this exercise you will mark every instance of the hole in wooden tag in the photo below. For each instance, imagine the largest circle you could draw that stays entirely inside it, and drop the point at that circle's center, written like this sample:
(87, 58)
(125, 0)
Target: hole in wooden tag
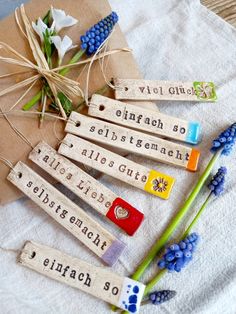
(39, 151)
(70, 145)
(32, 255)
(126, 88)
(19, 175)
(101, 107)
(77, 124)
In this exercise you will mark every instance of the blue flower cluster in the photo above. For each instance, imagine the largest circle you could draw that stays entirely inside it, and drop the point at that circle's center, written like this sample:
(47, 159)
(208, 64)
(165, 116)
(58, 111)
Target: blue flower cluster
(96, 35)
(162, 296)
(225, 140)
(217, 182)
(179, 254)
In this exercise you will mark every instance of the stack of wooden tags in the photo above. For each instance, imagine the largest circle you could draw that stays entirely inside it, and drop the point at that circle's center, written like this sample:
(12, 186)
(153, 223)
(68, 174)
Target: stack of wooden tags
(98, 196)
(68, 214)
(128, 127)
(118, 125)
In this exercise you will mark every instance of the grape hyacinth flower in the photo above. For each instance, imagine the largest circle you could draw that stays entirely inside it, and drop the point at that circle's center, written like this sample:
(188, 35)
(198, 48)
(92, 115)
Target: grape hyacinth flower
(93, 38)
(225, 140)
(178, 255)
(159, 297)
(216, 185)
(220, 144)
(228, 136)
(98, 33)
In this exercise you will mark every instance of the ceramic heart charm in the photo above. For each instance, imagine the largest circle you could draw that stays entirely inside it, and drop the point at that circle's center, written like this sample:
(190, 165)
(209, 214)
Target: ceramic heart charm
(121, 213)
(125, 216)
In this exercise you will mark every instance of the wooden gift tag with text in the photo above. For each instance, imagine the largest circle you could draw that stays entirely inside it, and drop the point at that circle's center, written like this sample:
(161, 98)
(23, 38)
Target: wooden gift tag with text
(123, 292)
(144, 119)
(86, 187)
(164, 90)
(119, 167)
(67, 213)
(133, 141)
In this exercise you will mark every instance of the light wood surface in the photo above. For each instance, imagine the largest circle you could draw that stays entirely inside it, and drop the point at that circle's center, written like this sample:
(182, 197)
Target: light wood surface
(224, 8)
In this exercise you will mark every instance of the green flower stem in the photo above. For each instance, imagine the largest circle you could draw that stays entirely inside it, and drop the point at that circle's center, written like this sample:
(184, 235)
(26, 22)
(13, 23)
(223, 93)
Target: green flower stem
(150, 285)
(156, 248)
(194, 221)
(63, 72)
(42, 101)
(177, 219)
(74, 59)
(153, 282)
(49, 61)
(32, 101)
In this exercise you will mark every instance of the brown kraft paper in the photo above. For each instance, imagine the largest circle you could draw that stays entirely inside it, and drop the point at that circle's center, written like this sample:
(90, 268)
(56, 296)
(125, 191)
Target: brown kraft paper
(122, 65)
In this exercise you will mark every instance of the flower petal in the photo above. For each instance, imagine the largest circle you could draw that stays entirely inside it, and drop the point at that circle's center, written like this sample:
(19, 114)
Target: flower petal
(39, 28)
(67, 43)
(62, 45)
(61, 19)
(56, 40)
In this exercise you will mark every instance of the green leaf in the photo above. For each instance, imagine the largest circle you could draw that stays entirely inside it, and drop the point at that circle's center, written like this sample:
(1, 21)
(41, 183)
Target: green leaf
(53, 107)
(47, 43)
(65, 102)
(47, 18)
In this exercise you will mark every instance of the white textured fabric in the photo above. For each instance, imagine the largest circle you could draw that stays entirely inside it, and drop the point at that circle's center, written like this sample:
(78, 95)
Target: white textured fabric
(172, 40)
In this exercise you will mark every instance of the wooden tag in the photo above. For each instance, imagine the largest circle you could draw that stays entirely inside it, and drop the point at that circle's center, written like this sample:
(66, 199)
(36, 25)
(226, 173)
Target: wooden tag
(67, 213)
(164, 90)
(87, 188)
(121, 168)
(144, 119)
(133, 141)
(123, 292)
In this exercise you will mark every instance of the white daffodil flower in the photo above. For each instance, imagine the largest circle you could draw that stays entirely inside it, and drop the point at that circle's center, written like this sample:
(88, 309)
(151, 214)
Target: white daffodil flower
(40, 28)
(61, 19)
(62, 45)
